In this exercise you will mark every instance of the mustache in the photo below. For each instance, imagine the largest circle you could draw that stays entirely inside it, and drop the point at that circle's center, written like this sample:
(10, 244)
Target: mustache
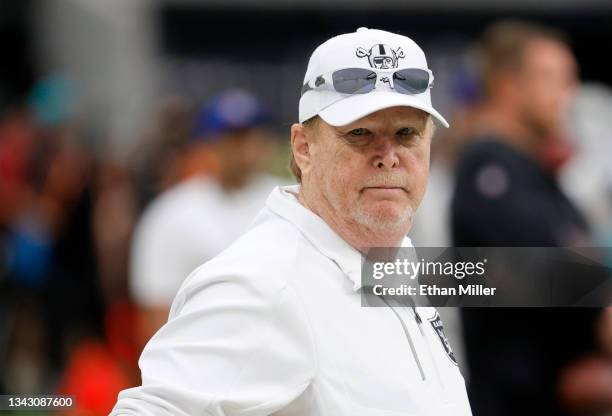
(386, 180)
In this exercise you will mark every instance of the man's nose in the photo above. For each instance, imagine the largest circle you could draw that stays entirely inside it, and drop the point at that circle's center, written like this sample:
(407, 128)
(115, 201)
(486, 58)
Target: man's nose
(385, 154)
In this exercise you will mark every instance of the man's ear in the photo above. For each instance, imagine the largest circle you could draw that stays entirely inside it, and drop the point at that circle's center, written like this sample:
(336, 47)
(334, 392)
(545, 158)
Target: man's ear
(300, 146)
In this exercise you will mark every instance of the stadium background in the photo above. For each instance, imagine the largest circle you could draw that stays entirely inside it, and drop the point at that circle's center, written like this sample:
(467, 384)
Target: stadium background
(121, 79)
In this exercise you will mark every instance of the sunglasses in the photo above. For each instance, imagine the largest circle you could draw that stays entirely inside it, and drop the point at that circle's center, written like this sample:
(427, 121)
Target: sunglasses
(362, 81)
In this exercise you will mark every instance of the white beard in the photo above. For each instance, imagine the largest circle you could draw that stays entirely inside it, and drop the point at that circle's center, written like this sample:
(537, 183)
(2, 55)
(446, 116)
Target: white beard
(377, 223)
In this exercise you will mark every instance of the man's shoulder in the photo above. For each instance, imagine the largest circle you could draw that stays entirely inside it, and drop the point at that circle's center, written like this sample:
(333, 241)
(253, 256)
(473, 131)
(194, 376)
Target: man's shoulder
(182, 203)
(271, 241)
(491, 150)
(264, 259)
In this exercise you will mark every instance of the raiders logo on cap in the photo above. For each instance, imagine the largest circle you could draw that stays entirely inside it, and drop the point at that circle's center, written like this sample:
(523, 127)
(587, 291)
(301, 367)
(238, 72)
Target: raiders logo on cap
(381, 56)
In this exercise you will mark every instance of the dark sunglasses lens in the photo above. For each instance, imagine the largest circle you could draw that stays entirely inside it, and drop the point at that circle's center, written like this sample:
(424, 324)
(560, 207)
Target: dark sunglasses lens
(354, 80)
(411, 81)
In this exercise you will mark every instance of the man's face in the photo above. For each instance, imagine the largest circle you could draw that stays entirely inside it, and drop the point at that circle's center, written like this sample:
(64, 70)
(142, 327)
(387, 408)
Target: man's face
(547, 81)
(371, 174)
(241, 155)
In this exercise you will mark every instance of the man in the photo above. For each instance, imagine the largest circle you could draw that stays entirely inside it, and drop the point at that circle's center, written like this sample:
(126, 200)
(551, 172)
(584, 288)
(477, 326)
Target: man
(274, 324)
(195, 220)
(507, 194)
(529, 77)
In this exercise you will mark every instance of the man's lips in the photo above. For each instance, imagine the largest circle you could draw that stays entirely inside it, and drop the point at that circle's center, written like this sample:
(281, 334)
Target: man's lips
(383, 187)
(385, 190)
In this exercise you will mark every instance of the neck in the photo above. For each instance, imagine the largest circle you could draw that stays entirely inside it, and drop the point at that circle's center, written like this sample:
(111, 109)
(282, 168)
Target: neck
(231, 182)
(506, 122)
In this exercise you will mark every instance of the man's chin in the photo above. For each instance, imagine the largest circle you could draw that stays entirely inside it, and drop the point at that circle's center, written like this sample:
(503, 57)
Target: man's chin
(384, 215)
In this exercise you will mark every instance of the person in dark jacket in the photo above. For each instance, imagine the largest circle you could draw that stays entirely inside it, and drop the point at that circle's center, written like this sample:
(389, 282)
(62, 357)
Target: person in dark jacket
(507, 194)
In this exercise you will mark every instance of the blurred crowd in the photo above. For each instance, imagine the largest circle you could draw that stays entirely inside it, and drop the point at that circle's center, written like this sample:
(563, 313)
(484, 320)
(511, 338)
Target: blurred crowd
(69, 322)
(93, 249)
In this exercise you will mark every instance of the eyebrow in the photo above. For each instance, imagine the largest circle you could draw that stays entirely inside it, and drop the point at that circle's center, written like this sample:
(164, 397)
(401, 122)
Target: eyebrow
(420, 124)
(418, 127)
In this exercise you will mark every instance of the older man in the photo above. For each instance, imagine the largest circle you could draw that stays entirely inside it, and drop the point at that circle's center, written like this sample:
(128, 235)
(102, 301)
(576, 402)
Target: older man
(274, 324)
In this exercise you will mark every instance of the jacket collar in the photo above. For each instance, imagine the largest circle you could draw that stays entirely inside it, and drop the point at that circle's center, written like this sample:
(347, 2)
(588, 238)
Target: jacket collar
(283, 201)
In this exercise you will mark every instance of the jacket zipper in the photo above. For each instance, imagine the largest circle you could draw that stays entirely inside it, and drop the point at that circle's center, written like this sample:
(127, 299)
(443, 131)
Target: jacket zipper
(417, 317)
(412, 347)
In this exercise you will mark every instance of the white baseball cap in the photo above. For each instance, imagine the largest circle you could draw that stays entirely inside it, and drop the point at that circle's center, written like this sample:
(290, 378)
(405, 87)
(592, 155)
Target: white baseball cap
(376, 50)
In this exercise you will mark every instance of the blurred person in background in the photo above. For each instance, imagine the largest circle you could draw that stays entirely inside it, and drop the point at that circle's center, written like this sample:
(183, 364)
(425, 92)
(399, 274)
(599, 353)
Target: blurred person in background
(585, 383)
(587, 178)
(64, 324)
(157, 158)
(222, 190)
(99, 365)
(507, 194)
(51, 295)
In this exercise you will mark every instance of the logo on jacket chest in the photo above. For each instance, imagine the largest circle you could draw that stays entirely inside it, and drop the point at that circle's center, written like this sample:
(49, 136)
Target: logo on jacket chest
(438, 327)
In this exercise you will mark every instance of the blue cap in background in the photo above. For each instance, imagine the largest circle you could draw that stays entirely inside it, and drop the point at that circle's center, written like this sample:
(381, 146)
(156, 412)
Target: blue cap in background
(231, 110)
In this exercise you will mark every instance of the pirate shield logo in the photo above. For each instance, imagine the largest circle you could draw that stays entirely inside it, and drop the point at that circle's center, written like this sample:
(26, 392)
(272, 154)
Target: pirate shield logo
(438, 327)
(381, 56)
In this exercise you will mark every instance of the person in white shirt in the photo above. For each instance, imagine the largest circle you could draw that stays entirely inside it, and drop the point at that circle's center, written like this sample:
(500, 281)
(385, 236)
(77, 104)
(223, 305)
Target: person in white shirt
(274, 325)
(196, 219)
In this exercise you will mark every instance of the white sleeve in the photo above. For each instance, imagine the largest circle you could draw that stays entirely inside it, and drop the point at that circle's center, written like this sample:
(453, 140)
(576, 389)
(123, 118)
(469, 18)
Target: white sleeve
(229, 347)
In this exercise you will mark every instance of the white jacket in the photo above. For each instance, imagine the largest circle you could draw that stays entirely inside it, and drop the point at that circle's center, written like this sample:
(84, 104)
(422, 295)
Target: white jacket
(274, 325)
